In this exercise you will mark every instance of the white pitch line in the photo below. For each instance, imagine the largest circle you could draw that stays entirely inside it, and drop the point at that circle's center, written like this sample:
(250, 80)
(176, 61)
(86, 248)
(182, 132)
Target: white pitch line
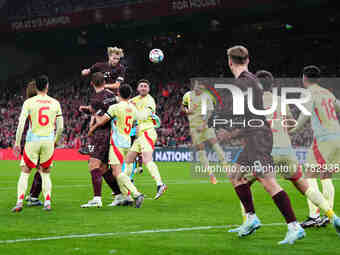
(152, 231)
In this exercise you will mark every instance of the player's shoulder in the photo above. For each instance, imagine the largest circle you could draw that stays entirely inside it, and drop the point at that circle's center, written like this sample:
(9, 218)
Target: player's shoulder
(30, 100)
(53, 100)
(327, 91)
(317, 91)
(136, 98)
(268, 94)
(268, 97)
(187, 94)
(149, 97)
(247, 79)
(113, 107)
(133, 107)
(151, 100)
(129, 107)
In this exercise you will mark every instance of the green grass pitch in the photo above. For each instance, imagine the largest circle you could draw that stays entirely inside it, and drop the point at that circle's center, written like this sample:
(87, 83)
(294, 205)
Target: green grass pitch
(190, 218)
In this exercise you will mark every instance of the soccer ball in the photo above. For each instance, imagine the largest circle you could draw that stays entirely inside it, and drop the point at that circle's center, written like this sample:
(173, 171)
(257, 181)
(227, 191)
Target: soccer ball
(156, 56)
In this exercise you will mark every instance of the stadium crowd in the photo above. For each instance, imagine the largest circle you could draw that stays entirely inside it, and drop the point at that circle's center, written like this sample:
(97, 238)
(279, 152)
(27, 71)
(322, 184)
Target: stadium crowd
(170, 80)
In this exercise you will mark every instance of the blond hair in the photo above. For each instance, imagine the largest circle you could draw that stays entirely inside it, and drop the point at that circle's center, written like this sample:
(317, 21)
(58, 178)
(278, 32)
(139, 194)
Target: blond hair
(238, 54)
(116, 51)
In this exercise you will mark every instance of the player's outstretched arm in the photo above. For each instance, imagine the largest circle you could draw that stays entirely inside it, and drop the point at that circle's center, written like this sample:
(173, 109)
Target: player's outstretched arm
(100, 121)
(92, 121)
(112, 85)
(86, 109)
(115, 85)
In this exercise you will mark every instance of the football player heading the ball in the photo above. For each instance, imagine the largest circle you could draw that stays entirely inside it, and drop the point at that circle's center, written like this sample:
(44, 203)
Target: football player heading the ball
(113, 70)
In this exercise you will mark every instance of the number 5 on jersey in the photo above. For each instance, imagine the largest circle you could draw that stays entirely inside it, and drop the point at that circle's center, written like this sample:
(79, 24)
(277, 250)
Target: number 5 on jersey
(128, 124)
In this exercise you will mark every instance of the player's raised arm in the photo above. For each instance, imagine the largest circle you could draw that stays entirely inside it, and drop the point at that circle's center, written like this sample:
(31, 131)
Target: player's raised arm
(21, 125)
(115, 85)
(93, 69)
(85, 109)
(102, 120)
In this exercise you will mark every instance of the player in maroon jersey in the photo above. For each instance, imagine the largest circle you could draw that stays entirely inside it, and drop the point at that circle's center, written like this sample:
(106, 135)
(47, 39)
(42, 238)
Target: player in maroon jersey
(114, 73)
(113, 70)
(99, 143)
(256, 155)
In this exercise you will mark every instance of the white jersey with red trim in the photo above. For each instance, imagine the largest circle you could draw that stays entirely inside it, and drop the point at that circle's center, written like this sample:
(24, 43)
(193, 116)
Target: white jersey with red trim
(280, 133)
(324, 120)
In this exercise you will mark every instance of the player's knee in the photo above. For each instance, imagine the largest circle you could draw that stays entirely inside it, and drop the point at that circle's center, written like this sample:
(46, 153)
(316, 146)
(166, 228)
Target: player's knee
(147, 157)
(103, 168)
(26, 170)
(116, 170)
(200, 146)
(45, 170)
(271, 185)
(94, 163)
(130, 157)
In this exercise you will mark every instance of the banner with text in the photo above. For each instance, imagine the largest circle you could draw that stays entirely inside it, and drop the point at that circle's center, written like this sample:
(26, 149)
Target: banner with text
(135, 11)
(160, 155)
(230, 154)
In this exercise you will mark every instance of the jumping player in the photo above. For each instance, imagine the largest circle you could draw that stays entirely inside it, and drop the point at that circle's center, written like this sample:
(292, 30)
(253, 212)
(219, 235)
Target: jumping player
(113, 70)
(114, 73)
(44, 113)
